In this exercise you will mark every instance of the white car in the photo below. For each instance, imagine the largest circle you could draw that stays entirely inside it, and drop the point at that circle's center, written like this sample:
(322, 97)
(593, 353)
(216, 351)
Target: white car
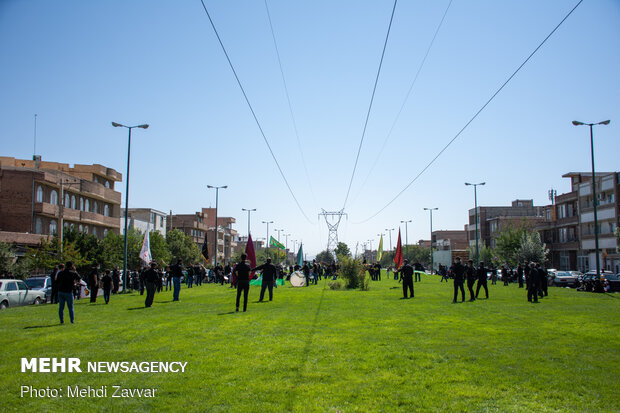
(14, 293)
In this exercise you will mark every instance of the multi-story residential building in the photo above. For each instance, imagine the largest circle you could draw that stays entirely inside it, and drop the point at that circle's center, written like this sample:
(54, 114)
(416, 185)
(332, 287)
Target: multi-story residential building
(141, 218)
(608, 213)
(202, 223)
(493, 219)
(447, 245)
(560, 230)
(39, 197)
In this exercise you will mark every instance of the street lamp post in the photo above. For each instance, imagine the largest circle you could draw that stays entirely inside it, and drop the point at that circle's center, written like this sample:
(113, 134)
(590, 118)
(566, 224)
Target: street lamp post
(595, 200)
(267, 241)
(407, 238)
(217, 190)
(278, 230)
(476, 214)
(286, 246)
(118, 125)
(390, 232)
(432, 258)
(249, 210)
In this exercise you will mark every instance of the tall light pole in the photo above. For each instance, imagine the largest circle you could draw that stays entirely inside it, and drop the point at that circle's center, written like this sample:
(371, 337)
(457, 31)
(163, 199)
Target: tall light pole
(286, 246)
(390, 231)
(267, 222)
(476, 213)
(407, 238)
(605, 122)
(249, 210)
(118, 125)
(278, 230)
(217, 190)
(432, 258)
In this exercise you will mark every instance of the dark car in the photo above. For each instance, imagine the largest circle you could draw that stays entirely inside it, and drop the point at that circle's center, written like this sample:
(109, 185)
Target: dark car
(614, 282)
(41, 283)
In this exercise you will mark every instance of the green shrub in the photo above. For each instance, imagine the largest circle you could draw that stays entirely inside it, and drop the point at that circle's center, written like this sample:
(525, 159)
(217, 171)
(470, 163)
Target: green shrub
(352, 274)
(335, 285)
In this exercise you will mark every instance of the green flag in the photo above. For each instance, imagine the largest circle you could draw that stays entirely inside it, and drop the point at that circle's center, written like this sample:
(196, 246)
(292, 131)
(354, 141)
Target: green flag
(380, 250)
(300, 256)
(274, 243)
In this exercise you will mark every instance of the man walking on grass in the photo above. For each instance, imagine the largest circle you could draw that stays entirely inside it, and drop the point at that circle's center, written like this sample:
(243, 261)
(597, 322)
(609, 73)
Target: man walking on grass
(458, 270)
(242, 275)
(406, 272)
(150, 279)
(471, 279)
(66, 280)
(269, 275)
(482, 280)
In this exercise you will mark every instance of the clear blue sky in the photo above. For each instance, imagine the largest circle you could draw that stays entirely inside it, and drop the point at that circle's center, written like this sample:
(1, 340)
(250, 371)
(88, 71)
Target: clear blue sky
(80, 65)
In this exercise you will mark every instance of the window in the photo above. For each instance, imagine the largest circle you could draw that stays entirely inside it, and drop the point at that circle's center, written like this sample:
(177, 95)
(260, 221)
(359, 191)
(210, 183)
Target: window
(39, 194)
(52, 227)
(80, 228)
(81, 204)
(105, 232)
(153, 218)
(67, 201)
(95, 207)
(54, 197)
(95, 178)
(106, 210)
(95, 231)
(73, 203)
(87, 205)
(38, 226)
(11, 286)
(107, 184)
(85, 229)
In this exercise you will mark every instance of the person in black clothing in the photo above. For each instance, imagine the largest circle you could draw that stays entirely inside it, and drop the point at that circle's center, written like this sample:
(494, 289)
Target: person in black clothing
(116, 280)
(520, 275)
(242, 274)
(66, 280)
(532, 283)
(150, 279)
(176, 271)
(106, 284)
(505, 275)
(269, 275)
(417, 267)
(406, 272)
(471, 279)
(306, 270)
(53, 275)
(93, 283)
(543, 281)
(482, 280)
(458, 271)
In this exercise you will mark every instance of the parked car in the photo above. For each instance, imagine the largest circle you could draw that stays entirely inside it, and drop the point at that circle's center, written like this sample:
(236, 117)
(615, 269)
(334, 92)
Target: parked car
(14, 293)
(614, 282)
(565, 279)
(41, 283)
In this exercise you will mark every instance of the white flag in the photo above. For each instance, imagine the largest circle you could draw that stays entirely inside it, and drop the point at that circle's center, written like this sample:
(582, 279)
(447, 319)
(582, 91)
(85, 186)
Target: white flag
(145, 252)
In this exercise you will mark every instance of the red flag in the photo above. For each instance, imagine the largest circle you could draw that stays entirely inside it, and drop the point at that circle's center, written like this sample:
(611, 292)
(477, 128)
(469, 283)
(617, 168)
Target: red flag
(249, 251)
(398, 257)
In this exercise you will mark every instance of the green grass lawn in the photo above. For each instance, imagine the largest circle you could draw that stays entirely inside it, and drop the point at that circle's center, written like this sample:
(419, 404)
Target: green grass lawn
(317, 350)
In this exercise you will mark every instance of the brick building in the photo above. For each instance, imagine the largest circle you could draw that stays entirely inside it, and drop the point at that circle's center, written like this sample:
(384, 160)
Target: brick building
(38, 197)
(198, 224)
(493, 219)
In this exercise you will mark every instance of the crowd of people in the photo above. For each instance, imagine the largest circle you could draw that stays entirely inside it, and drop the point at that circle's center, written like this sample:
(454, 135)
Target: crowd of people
(67, 283)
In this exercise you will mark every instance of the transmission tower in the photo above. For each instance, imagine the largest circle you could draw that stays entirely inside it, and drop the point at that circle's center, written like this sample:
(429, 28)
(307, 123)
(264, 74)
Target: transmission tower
(332, 219)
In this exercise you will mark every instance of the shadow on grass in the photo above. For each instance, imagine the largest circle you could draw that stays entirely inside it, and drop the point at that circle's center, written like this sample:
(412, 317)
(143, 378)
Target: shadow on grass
(136, 308)
(299, 370)
(230, 312)
(49, 325)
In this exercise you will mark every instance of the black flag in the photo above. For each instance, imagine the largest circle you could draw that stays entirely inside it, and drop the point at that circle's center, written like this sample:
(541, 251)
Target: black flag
(205, 249)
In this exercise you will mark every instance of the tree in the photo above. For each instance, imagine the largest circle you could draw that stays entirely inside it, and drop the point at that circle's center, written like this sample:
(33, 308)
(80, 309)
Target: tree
(181, 246)
(159, 248)
(325, 257)
(416, 253)
(532, 248)
(342, 250)
(508, 242)
(7, 258)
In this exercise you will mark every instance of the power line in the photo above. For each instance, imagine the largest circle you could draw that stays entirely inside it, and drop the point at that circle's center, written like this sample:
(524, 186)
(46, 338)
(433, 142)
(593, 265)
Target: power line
(247, 100)
(290, 106)
(359, 149)
(402, 107)
(475, 115)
